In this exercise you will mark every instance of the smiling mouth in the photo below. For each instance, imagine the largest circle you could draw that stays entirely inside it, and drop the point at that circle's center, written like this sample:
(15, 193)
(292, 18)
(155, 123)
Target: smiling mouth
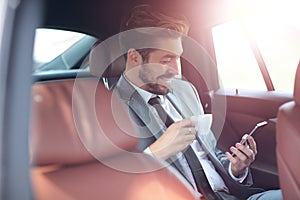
(165, 81)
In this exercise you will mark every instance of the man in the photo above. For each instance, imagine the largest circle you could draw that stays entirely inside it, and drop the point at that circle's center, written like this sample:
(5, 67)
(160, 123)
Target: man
(152, 40)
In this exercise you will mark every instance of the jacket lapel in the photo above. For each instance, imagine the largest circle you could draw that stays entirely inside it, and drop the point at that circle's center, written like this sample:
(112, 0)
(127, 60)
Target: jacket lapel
(180, 106)
(139, 107)
(142, 110)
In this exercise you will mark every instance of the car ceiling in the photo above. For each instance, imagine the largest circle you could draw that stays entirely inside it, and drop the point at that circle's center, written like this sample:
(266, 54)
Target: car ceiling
(101, 18)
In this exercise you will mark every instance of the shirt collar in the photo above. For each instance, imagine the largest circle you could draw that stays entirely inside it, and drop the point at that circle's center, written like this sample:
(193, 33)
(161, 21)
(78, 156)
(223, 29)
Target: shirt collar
(144, 94)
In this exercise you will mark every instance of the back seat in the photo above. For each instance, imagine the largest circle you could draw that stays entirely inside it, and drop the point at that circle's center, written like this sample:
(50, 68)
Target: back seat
(79, 151)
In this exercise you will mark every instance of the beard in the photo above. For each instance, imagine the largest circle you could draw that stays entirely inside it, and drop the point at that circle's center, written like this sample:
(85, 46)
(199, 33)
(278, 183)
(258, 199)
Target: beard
(156, 88)
(152, 84)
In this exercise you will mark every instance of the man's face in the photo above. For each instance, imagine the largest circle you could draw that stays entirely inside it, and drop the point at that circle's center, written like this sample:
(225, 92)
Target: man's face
(160, 68)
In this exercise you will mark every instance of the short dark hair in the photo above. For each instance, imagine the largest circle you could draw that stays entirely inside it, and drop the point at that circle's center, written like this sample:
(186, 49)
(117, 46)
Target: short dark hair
(147, 16)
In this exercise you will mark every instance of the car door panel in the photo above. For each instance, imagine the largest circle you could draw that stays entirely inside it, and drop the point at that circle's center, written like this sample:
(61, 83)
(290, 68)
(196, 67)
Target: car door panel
(244, 110)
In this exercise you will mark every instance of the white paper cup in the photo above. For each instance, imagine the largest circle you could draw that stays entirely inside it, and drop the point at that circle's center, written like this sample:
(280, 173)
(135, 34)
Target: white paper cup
(202, 123)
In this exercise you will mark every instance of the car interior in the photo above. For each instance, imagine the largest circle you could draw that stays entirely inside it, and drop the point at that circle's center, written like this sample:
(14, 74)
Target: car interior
(67, 143)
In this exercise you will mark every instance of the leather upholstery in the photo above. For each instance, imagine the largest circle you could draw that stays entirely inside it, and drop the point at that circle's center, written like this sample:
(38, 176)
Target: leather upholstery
(288, 142)
(64, 113)
(78, 150)
(97, 181)
(106, 60)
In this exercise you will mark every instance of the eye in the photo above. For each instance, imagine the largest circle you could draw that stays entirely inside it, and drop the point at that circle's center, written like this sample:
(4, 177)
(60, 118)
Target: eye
(166, 61)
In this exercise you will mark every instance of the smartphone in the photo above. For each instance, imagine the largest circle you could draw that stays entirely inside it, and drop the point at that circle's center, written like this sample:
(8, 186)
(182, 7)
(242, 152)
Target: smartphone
(258, 125)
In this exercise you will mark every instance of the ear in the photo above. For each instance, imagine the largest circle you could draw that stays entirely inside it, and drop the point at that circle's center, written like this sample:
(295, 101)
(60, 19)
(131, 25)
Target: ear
(134, 57)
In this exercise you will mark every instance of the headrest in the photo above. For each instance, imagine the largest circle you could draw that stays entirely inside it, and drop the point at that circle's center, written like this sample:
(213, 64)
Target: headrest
(106, 60)
(297, 86)
(72, 122)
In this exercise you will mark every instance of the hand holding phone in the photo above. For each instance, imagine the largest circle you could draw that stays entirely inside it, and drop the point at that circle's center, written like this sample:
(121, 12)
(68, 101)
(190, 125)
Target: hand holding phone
(258, 125)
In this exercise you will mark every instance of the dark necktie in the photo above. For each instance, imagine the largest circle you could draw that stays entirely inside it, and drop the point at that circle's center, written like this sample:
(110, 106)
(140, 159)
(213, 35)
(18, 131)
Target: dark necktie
(190, 156)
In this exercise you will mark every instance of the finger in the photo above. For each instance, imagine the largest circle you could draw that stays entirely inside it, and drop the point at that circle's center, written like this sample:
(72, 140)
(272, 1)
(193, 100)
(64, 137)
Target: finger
(239, 154)
(189, 139)
(190, 131)
(252, 144)
(246, 151)
(186, 123)
(230, 158)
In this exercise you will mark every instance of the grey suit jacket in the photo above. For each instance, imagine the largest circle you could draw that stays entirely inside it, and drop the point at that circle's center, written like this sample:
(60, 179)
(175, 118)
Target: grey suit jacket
(186, 99)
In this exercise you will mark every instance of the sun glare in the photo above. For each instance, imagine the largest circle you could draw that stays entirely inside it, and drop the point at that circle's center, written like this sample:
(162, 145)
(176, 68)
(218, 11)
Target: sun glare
(274, 26)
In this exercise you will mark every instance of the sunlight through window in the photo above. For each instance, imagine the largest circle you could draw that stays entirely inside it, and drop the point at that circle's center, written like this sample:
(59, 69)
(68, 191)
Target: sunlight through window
(273, 25)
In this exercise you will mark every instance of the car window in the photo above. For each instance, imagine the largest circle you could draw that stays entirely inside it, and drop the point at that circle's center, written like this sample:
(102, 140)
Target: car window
(277, 40)
(59, 49)
(237, 65)
(279, 45)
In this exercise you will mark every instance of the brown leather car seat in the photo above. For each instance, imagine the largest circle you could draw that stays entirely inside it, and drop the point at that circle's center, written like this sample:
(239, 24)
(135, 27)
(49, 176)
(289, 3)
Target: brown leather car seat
(79, 149)
(288, 142)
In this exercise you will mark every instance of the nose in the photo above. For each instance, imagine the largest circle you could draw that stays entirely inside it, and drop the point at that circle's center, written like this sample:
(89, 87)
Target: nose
(175, 67)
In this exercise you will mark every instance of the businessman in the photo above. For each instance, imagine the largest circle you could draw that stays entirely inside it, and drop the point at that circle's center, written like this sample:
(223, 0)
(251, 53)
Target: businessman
(161, 105)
